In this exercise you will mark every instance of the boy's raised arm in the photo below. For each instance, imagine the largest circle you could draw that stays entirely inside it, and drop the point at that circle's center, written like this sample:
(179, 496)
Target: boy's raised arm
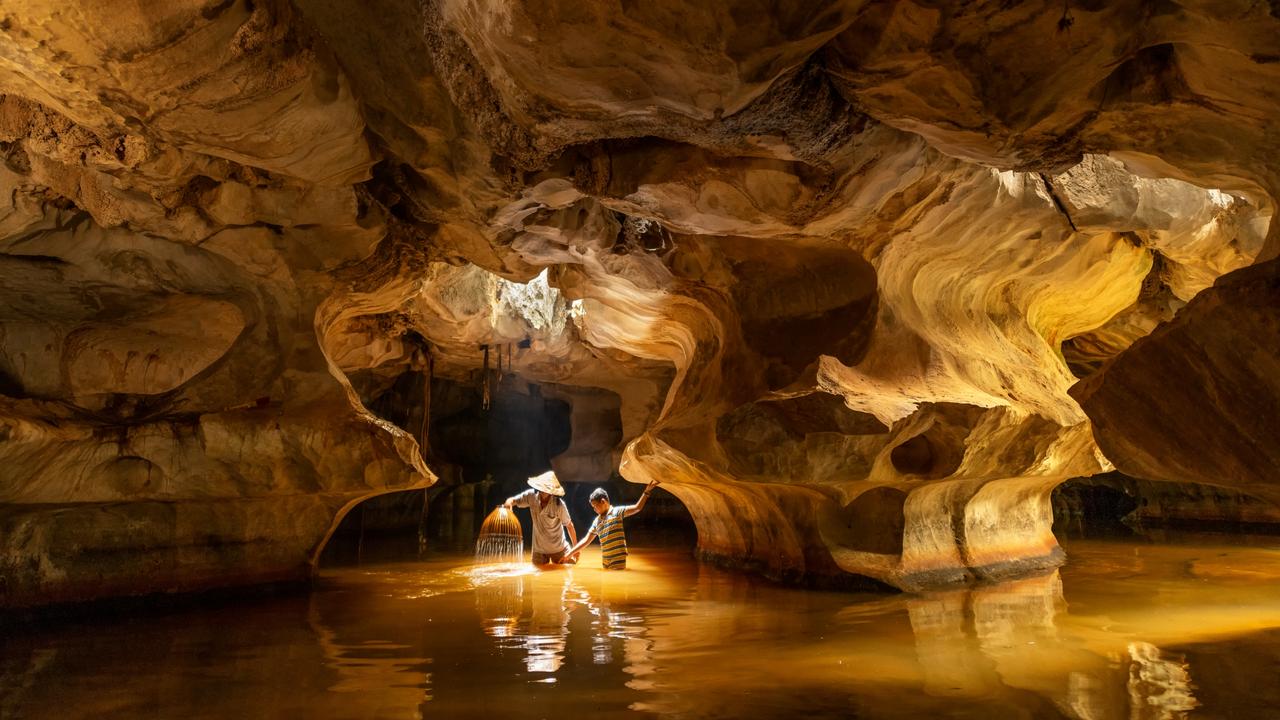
(644, 498)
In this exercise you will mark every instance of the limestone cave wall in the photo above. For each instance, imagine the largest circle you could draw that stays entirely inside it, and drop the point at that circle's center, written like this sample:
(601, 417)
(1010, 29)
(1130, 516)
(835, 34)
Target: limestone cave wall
(860, 282)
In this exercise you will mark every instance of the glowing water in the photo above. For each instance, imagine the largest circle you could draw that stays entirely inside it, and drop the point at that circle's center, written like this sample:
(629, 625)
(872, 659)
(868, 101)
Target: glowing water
(1126, 631)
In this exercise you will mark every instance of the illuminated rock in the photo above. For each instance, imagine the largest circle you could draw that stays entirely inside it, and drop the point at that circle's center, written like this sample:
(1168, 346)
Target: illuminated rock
(828, 272)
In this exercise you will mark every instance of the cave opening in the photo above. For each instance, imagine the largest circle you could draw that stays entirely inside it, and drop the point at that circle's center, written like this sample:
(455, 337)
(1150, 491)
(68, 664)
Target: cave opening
(485, 454)
(913, 457)
(1092, 507)
(480, 454)
(1116, 505)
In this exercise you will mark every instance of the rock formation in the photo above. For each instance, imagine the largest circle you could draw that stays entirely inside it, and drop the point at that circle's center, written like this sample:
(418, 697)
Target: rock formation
(832, 268)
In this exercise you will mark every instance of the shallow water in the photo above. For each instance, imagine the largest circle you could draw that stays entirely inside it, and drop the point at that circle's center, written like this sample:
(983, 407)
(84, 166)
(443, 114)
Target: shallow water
(1126, 630)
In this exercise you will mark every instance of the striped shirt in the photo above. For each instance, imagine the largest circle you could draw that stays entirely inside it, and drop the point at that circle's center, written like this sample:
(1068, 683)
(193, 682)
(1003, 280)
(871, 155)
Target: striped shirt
(613, 542)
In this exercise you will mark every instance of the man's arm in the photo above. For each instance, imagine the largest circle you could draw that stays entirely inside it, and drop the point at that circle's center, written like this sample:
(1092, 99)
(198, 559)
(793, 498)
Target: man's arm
(577, 547)
(568, 523)
(517, 500)
(644, 498)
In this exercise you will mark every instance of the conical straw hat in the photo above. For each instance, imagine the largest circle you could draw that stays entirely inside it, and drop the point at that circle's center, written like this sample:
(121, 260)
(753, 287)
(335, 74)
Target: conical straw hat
(547, 483)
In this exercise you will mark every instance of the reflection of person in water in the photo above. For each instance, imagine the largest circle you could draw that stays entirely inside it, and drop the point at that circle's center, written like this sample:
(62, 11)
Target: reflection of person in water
(528, 612)
(546, 625)
(532, 613)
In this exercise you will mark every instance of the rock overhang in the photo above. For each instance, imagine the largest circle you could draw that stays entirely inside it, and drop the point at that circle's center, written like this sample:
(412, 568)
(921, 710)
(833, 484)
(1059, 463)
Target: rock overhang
(841, 265)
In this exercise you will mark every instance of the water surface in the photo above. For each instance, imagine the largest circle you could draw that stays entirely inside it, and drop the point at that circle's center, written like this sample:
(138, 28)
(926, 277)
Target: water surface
(1125, 630)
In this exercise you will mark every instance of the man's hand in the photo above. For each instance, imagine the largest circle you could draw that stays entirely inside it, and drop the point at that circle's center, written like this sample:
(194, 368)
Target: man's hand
(509, 503)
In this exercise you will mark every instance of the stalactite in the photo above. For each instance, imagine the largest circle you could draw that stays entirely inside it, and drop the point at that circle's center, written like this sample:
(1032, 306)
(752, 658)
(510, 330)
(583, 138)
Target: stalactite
(360, 540)
(424, 432)
(423, 446)
(422, 523)
(485, 379)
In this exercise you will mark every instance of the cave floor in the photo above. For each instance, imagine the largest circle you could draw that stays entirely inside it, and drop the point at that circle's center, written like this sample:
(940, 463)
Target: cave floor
(1128, 629)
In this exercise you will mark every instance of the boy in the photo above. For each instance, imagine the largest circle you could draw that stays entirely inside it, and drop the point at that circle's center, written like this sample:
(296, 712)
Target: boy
(608, 527)
(550, 519)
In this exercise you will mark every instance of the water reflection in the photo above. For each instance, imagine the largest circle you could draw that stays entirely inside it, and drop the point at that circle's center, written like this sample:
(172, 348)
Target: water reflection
(1159, 686)
(1004, 640)
(528, 612)
(374, 668)
(531, 611)
(1125, 632)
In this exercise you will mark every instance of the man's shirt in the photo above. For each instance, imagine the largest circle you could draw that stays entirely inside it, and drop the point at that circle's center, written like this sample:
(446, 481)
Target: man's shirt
(549, 522)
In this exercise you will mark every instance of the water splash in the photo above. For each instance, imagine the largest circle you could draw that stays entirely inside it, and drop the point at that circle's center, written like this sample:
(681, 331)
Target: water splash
(491, 549)
(501, 538)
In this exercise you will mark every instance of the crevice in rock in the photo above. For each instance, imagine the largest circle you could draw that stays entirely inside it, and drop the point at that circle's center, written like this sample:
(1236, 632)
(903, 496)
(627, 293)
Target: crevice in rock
(1057, 201)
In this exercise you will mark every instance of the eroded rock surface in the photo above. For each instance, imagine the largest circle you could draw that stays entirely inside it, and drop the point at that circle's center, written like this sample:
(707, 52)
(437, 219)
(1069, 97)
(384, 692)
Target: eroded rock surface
(829, 271)
(1194, 400)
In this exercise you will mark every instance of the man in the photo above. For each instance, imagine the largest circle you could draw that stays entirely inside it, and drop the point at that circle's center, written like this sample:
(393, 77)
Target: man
(550, 518)
(608, 527)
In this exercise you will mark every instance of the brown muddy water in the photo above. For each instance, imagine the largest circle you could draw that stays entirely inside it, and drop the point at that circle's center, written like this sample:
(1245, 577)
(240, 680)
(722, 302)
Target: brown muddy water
(1130, 630)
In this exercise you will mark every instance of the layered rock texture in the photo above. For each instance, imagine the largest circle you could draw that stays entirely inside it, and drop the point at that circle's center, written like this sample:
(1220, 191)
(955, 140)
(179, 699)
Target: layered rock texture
(833, 272)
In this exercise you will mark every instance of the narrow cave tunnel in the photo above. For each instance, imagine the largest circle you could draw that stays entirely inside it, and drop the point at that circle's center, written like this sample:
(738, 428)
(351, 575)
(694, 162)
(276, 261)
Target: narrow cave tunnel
(484, 455)
(1092, 507)
(1115, 505)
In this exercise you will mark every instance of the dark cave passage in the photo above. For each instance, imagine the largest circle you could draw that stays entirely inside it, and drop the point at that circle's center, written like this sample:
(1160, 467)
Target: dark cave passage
(483, 456)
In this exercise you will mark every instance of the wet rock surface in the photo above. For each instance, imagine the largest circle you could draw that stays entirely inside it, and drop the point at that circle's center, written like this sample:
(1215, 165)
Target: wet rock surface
(859, 283)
